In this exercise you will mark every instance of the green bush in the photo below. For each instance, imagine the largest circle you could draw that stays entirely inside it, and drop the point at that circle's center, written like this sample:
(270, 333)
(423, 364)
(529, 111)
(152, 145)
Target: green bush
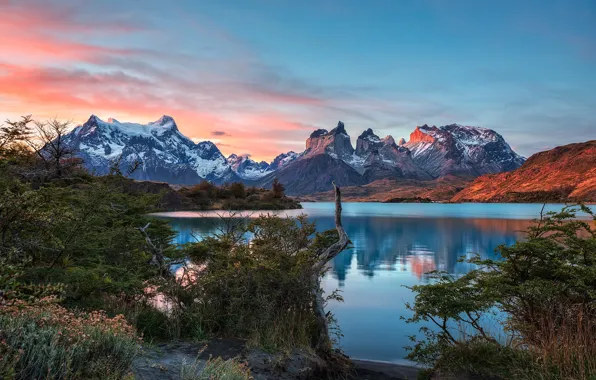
(545, 287)
(152, 324)
(260, 290)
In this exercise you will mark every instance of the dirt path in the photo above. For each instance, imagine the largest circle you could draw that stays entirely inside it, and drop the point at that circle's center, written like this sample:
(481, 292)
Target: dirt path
(164, 361)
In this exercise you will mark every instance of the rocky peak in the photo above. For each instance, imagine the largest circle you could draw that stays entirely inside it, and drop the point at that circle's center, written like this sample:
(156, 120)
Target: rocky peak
(164, 119)
(246, 168)
(282, 160)
(423, 134)
(369, 135)
(208, 150)
(388, 140)
(340, 129)
(401, 142)
(335, 143)
(319, 133)
(461, 150)
(368, 143)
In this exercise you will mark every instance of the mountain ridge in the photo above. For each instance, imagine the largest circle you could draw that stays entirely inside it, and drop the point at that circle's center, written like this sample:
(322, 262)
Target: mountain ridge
(166, 155)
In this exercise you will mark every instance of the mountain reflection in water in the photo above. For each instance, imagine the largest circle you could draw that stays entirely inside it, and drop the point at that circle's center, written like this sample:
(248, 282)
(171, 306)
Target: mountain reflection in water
(388, 254)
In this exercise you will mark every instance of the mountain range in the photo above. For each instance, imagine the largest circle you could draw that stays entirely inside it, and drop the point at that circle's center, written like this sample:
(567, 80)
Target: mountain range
(166, 155)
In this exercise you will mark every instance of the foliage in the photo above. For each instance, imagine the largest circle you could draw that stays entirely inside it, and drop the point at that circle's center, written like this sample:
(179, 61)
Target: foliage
(260, 289)
(277, 188)
(50, 342)
(545, 287)
(216, 369)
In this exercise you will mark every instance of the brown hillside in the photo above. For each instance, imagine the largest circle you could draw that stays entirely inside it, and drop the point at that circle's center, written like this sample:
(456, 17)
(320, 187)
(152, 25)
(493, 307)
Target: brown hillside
(563, 174)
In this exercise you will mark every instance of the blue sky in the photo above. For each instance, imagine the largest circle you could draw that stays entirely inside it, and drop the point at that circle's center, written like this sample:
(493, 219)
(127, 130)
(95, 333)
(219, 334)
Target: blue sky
(258, 76)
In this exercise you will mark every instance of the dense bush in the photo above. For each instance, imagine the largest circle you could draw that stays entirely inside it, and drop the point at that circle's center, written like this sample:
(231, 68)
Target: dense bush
(50, 342)
(260, 289)
(545, 289)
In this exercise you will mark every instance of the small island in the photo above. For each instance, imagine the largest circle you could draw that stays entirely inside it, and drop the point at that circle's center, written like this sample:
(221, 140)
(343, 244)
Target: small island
(205, 196)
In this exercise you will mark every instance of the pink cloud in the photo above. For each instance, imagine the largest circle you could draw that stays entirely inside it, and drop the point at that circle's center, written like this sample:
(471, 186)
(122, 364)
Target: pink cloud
(52, 66)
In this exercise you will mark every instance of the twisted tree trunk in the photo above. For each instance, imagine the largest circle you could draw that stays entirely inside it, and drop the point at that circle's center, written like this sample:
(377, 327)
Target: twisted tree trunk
(158, 258)
(323, 344)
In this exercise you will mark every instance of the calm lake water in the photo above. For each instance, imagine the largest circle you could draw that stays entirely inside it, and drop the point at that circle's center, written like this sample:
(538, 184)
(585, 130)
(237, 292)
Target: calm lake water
(393, 246)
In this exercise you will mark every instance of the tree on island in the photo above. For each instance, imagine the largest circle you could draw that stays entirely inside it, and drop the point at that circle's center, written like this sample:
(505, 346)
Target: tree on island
(278, 188)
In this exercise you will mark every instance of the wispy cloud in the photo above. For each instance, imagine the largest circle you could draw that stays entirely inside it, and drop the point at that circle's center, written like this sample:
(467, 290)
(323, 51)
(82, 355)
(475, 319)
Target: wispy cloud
(68, 59)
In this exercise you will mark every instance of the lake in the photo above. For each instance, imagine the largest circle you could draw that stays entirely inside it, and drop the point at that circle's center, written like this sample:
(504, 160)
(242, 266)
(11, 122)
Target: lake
(393, 246)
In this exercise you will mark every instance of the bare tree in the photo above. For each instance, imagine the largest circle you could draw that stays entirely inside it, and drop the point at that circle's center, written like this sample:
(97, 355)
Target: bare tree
(323, 342)
(158, 258)
(48, 143)
(116, 163)
(14, 134)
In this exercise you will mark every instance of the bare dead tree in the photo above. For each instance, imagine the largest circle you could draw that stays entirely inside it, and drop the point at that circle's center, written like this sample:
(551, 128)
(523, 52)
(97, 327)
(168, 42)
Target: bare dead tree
(158, 258)
(116, 163)
(48, 143)
(14, 134)
(323, 345)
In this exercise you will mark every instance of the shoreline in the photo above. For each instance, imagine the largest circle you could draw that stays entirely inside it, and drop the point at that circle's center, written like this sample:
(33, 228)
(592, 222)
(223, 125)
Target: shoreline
(393, 370)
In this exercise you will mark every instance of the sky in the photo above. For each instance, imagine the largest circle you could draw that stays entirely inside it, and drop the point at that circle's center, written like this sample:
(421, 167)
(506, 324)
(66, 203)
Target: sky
(258, 76)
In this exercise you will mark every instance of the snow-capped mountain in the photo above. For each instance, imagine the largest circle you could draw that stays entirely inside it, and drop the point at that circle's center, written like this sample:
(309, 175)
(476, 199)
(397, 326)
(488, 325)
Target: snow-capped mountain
(431, 153)
(461, 150)
(167, 155)
(283, 160)
(246, 168)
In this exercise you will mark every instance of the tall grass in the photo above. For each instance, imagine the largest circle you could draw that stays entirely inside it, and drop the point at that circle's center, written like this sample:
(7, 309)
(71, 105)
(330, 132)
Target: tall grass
(215, 369)
(566, 348)
(50, 342)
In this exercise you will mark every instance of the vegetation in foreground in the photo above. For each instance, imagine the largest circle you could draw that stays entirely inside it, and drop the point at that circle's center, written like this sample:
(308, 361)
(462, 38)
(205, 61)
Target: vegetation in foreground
(545, 290)
(81, 262)
(50, 342)
(216, 369)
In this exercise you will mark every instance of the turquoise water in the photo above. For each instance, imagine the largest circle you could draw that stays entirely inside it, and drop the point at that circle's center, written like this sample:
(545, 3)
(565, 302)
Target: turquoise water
(393, 246)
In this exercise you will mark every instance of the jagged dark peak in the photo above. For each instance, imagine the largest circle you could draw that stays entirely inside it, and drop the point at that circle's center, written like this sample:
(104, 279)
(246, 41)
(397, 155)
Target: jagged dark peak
(368, 133)
(402, 141)
(388, 140)
(340, 129)
(319, 133)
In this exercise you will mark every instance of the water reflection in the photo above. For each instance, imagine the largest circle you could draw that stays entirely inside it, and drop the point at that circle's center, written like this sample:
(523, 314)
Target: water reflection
(420, 245)
(416, 245)
(388, 254)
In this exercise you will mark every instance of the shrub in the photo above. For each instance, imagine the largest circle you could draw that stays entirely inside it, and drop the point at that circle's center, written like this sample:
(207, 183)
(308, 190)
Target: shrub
(50, 342)
(152, 324)
(261, 289)
(545, 287)
(216, 369)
